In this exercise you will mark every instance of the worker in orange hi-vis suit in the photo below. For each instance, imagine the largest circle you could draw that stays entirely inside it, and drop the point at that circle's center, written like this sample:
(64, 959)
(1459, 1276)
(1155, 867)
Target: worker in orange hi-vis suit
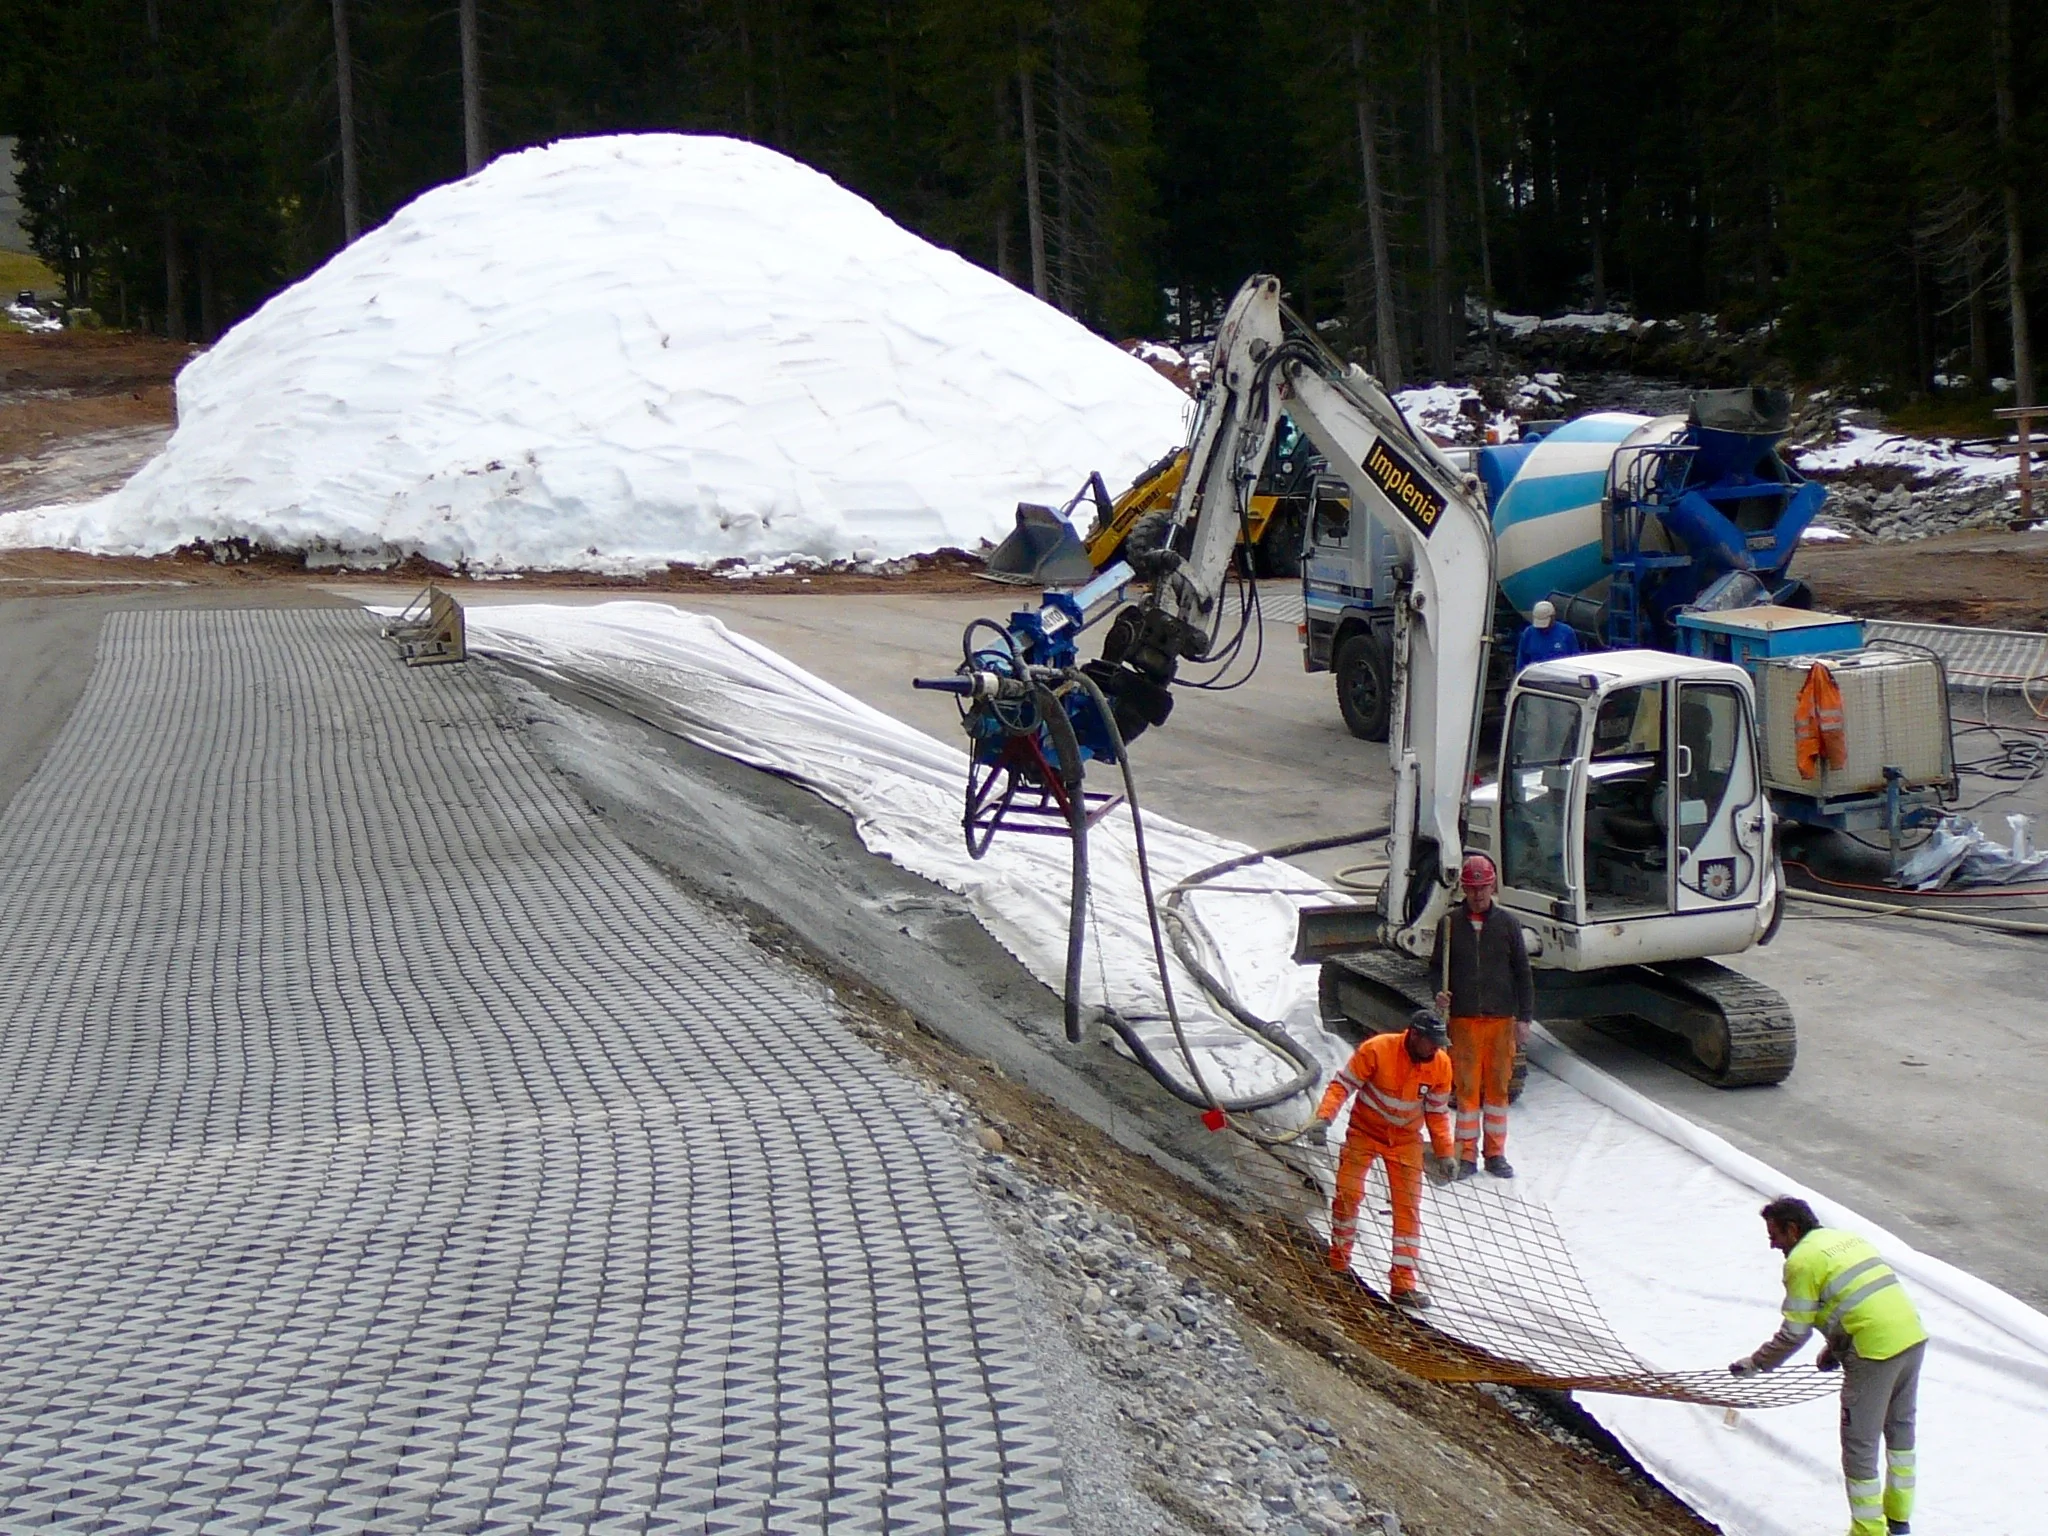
(1402, 1082)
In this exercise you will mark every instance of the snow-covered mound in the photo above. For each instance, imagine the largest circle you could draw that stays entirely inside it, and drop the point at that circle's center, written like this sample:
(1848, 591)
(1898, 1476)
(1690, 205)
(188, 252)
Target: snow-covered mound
(613, 353)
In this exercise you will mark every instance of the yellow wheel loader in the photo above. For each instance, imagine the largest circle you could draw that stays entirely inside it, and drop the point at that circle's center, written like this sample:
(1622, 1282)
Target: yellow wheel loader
(1042, 551)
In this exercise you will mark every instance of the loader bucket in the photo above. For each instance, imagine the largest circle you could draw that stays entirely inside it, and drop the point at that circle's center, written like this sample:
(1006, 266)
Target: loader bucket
(1042, 551)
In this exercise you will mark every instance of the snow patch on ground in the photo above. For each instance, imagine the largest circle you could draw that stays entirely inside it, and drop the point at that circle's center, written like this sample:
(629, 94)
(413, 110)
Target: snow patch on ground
(616, 353)
(1455, 413)
(1529, 325)
(1930, 458)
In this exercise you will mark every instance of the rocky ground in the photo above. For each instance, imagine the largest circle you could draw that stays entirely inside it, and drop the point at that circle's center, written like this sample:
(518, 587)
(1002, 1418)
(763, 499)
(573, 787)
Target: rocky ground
(1228, 1404)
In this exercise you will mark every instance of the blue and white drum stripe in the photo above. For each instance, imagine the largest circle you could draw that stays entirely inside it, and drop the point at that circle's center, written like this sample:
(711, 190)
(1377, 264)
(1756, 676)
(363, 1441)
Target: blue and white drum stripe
(1546, 525)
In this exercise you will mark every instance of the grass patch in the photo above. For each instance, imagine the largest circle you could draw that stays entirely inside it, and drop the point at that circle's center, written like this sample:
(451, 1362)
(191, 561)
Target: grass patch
(19, 270)
(1949, 416)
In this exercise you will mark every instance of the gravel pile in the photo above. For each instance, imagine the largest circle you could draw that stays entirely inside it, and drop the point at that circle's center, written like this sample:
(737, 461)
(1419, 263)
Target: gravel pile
(1902, 513)
(1197, 1413)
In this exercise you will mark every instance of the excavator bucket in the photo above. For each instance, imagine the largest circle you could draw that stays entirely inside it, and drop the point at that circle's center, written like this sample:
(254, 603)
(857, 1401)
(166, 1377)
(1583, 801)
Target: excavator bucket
(1042, 551)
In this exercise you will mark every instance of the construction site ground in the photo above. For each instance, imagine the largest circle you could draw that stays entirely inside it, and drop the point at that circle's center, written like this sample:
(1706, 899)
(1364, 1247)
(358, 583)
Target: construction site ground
(1938, 1014)
(1268, 1377)
(1918, 1097)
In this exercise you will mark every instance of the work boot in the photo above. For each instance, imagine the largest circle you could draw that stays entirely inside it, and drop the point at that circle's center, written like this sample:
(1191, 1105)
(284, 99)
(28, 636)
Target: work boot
(1468, 1169)
(1412, 1300)
(1500, 1167)
(1899, 1527)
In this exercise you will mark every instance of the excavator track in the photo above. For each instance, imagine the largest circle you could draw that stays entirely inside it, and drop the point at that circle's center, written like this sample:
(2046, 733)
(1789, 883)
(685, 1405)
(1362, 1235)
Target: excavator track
(1713, 1023)
(1741, 1032)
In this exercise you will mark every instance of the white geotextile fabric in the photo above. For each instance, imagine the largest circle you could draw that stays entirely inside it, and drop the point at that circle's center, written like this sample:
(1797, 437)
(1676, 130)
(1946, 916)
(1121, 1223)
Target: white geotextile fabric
(613, 353)
(1659, 1214)
(904, 792)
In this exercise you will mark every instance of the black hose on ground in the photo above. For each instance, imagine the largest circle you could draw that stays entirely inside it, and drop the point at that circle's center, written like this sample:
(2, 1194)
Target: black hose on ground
(1067, 747)
(1308, 1070)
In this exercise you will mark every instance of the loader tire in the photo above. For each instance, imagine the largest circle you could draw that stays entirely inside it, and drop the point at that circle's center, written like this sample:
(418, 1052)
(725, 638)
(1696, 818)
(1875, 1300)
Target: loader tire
(1364, 690)
(1278, 555)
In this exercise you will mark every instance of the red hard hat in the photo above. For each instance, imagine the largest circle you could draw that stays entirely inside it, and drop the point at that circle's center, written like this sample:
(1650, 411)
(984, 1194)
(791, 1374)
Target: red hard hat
(1478, 871)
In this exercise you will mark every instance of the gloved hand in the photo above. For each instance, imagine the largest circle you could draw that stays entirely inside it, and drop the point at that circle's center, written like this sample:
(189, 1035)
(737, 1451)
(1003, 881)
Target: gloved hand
(1315, 1134)
(1827, 1360)
(1441, 1170)
(1743, 1367)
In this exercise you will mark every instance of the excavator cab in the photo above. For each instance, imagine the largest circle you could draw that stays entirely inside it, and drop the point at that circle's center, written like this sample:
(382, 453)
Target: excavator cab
(1629, 822)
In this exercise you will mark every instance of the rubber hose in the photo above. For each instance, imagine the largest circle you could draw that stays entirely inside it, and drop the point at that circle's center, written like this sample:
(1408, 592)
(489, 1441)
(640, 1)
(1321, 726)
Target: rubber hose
(1893, 909)
(1210, 1099)
(1311, 1070)
(1068, 748)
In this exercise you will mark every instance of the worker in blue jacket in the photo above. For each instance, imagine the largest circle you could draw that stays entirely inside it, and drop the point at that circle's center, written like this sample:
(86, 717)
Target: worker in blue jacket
(1545, 639)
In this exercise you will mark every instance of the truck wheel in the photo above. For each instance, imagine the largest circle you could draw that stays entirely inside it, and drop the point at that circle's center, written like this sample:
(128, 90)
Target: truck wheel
(1362, 689)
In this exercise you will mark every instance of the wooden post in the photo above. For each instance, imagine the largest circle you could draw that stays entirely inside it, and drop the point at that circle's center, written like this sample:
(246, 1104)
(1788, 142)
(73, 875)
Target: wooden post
(2023, 416)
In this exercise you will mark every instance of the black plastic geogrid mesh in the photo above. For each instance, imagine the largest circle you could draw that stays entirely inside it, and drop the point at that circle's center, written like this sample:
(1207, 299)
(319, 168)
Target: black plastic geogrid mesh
(1507, 1303)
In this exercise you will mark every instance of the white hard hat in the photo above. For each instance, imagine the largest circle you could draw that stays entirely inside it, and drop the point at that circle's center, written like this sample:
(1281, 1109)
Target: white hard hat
(1542, 614)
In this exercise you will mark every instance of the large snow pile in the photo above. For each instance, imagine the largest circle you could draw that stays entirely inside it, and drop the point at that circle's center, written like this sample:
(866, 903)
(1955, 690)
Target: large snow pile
(613, 353)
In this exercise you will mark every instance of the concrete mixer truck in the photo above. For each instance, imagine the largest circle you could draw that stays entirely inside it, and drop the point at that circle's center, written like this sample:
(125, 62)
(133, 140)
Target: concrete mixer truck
(1673, 533)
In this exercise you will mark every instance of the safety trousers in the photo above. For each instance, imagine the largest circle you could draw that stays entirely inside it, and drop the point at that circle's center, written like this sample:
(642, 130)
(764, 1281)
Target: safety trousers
(1404, 1181)
(1482, 1066)
(1880, 1400)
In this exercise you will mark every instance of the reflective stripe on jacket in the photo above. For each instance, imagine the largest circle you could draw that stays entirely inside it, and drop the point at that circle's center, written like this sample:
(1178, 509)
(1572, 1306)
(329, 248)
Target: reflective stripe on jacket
(1397, 1095)
(1819, 730)
(1837, 1282)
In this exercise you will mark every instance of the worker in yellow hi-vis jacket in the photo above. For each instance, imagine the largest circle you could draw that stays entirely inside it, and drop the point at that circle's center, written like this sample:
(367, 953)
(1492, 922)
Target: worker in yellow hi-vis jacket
(1836, 1283)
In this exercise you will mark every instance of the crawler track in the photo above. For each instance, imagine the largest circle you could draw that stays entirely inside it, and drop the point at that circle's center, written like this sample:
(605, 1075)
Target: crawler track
(1714, 1023)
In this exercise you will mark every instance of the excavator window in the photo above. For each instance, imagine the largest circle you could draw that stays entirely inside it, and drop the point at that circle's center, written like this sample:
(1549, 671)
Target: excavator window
(1537, 773)
(1628, 861)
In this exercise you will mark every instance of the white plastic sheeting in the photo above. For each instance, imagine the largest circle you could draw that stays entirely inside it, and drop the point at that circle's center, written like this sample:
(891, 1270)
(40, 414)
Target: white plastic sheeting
(904, 792)
(1660, 1215)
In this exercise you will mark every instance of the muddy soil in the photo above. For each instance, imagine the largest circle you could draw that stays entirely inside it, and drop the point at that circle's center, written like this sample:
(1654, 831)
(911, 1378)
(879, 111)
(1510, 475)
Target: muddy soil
(81, 411)
(1997, 580)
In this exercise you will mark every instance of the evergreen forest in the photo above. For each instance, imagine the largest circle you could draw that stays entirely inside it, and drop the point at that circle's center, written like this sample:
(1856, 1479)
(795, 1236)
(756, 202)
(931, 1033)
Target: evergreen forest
(1866, 184)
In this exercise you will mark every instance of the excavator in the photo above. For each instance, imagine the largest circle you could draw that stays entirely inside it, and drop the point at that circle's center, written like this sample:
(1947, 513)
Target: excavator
(1628, 818)
(1044, 549)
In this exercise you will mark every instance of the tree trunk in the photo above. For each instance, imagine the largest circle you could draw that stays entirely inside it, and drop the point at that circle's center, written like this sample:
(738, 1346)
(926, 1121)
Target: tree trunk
(1599, 210)
(2015, 264)
(1003, 184)
(1063, 129)
(1386, 333)
(746, 38)
(1980, 318)
(1923, 323)
(1436, 200)
(174, 280)
(209, 306)
(174, 272)
(1479, 190)
(778, 76)
(473, 152)
(345, 107)
(1034, 209)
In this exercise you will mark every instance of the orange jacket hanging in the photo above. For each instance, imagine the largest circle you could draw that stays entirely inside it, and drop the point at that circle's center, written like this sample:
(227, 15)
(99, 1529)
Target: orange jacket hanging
(1818, 721)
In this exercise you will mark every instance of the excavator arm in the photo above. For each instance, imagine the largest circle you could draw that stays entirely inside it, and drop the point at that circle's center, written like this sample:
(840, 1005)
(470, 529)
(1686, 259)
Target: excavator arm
(1268, 362)
(1037, 713)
